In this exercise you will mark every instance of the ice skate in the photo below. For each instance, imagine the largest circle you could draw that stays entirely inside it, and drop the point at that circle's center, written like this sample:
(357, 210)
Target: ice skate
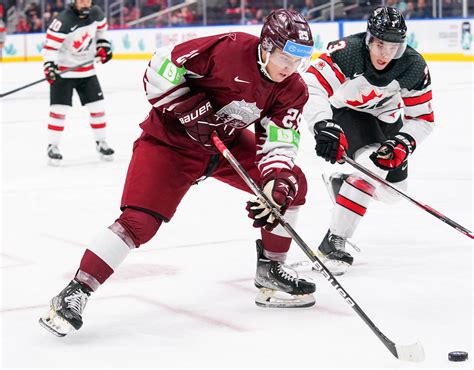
(65, 311)
(333, 254)
(277, 288)
(54, 156)
(105, 151)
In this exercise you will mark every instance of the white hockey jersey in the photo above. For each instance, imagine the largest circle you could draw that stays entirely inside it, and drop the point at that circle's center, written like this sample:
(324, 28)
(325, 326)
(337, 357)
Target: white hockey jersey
(71, 41)
(345, 78)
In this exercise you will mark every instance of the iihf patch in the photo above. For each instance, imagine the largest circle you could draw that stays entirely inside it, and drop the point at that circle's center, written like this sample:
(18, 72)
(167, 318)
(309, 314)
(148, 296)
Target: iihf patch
(320, 65)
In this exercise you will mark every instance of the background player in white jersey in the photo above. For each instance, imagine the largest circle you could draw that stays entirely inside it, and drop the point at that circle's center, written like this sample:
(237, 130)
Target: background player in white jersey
(76, 37)
(370, 96)
(221, 83)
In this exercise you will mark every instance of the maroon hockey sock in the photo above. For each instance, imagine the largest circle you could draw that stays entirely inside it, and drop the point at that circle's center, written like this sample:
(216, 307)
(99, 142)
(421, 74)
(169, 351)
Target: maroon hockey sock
(274, 243)
(93, 271)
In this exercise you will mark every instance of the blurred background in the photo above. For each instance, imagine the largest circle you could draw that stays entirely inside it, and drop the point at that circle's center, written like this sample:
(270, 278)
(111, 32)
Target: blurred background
(32, 16)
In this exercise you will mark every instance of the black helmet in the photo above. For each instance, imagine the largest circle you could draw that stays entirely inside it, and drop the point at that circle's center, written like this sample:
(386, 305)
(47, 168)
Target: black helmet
(387, 24)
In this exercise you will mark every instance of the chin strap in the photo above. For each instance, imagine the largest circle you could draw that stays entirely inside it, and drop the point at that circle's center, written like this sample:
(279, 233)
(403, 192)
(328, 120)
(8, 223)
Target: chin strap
(262, 64)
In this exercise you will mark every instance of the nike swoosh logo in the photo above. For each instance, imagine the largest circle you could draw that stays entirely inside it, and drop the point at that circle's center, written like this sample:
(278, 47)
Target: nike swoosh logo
(237, 79)
(74, 27)
(404, 167)
(357, 75)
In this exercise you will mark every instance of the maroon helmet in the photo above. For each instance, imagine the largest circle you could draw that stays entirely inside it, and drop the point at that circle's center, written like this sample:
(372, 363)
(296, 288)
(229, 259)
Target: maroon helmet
(285, 25)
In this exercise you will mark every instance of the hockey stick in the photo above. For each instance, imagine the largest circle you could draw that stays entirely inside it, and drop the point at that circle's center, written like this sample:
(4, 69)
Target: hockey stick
(413, 352)
(425, 207)
(44, 79)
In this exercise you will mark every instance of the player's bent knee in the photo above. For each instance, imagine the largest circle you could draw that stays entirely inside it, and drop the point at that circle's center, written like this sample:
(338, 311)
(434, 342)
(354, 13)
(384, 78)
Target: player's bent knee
(139, 225)
(300, 198)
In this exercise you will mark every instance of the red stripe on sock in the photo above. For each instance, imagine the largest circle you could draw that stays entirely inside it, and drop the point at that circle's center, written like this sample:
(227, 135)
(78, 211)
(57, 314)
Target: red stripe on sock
(350, 205)
(95, 266)
(98, 125)
(98, 114)
(57, 115)
(55, 128)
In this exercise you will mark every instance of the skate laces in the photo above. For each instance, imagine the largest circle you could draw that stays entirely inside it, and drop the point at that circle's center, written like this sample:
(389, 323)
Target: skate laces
(285, 275)
(77, 301)
(338, 241)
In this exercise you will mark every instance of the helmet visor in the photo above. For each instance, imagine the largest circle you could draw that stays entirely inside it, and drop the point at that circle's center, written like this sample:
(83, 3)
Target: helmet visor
(295, 57)
(392, 50)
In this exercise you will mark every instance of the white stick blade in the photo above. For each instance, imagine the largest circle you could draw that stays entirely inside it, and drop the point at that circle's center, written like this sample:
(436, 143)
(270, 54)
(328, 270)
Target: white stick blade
(412, 352)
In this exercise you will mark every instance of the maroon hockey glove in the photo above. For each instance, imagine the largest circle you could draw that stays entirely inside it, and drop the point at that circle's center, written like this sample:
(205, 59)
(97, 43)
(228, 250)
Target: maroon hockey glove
(331, 143)
(103, 50)
(393, 152)
(199, 119)
(50, 72)
(281, 187)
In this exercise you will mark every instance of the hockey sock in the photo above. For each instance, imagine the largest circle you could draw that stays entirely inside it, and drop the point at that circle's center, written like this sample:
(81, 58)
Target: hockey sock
(57, 118)
(276, 243)
(105, 253)
(97, 119)
(351, 204)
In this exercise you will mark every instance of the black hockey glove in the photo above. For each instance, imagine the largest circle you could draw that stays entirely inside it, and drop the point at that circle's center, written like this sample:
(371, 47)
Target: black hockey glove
(331, 143)
(281, 188)
(393, 152)
(50, 71)
(103, 50)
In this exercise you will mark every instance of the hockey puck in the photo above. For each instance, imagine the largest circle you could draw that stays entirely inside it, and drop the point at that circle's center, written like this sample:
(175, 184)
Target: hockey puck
(457, 356)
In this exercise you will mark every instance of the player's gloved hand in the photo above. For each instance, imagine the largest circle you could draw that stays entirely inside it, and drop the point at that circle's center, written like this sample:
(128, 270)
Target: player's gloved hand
(331, 143)
(393, 152)
(50, 71)
(103, 50)
(199, 119)
(281, 187)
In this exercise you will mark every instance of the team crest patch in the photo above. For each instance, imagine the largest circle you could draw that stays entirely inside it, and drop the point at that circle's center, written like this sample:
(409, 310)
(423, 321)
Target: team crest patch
(320, 65)
(239, 114)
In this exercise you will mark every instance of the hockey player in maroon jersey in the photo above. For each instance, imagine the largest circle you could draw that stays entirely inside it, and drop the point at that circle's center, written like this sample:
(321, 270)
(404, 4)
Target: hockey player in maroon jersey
(76, 36)
(370, 97)
(221, 83)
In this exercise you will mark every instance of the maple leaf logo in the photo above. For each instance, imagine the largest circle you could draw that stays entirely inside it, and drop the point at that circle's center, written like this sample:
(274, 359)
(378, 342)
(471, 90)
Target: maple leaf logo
(364, 99)
(78, 43)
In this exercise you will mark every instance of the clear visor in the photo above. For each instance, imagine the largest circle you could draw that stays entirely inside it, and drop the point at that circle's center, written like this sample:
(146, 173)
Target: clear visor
(289, 62)
(385, 49)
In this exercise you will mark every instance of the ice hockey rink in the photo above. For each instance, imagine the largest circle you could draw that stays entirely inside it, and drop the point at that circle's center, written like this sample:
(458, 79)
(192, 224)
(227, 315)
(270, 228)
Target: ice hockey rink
(186, 299)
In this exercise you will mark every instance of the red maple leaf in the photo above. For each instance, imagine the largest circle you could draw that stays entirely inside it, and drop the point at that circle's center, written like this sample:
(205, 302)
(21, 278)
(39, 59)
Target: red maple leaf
(78, 43)
(365, 99)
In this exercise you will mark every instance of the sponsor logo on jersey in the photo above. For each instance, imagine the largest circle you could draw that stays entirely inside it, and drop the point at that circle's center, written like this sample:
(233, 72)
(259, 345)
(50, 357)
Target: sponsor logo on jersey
(283, 135)
(169, 71)
(237, 79)
(239, 114)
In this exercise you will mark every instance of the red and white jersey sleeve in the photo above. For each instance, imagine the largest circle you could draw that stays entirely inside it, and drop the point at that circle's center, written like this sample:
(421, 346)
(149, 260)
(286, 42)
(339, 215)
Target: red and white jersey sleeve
(418, 120)
(323, 78)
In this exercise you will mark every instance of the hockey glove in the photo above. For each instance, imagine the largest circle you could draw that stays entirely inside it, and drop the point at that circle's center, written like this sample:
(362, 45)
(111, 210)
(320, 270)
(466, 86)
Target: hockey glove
(50, 71)
(393, 152)
(103, 50)
(331, 143)
(199, 119)
(281, 187)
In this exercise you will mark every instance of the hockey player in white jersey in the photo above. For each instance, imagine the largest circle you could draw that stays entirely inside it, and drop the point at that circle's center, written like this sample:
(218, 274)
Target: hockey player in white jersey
(75, 37)
(370, 97)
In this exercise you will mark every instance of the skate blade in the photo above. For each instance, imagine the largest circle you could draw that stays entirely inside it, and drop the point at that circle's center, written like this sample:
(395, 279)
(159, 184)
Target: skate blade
(55, 324)
(337, 268)
(54, 162)
(106, 158)
(276, 299)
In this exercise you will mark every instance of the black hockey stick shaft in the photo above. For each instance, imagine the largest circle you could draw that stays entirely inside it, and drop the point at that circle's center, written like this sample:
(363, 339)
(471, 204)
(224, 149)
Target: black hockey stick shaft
(425, 207)
(43, 79)
(407, 355)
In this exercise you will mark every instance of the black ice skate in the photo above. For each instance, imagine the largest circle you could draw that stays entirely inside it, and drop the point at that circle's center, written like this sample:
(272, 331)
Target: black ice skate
(54, 156)
(332, 252)
(105, 151)
(277, 288)
(65, 311)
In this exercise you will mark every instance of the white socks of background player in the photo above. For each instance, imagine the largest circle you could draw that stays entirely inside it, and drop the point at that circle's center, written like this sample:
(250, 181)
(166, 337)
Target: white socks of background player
(97, 119)
(57, 118)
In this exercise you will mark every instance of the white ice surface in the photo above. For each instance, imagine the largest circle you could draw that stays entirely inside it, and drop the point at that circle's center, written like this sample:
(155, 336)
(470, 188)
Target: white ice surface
(186, 299)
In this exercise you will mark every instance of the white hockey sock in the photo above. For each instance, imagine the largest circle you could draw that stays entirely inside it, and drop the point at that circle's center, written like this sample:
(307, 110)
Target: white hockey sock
(351, 204)
(97, 119)
(57, 119)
